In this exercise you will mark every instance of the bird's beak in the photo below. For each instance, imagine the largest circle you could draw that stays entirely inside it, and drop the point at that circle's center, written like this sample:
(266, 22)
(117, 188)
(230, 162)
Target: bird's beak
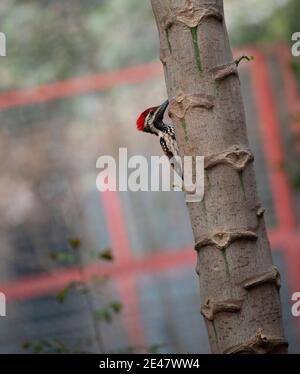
(161, 111)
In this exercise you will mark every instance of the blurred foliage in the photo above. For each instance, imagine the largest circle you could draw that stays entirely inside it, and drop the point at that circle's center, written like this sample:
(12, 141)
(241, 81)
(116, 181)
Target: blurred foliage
(75, 243)
(62, 295)
(106, 313)
(262, 22)
(103, 314)
(56, 346)
(47, 346)
(63, 257)
(86, 287)
(51, 40)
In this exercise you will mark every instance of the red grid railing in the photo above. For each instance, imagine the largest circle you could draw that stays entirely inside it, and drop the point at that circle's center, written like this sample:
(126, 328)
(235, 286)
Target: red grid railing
(126, 267)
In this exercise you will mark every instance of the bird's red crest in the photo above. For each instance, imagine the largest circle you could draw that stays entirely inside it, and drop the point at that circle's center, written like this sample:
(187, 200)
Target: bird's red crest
(140, 122)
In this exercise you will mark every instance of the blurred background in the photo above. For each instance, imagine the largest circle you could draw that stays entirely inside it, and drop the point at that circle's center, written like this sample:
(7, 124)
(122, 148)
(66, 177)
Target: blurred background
(114, 272)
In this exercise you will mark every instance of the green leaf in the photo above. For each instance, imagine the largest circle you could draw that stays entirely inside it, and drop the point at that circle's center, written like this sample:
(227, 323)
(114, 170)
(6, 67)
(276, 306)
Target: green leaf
(38, 347)
(106, 255)
(46, 346)
(155, 348)
(26, 345)
(75, 243)
(107, 316)
(62, 295)
(62, 257)
(103, 315)
(82, 287)
(116, 306)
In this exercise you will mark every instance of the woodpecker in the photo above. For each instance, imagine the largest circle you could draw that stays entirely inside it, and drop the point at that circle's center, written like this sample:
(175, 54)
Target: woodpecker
(151, 120)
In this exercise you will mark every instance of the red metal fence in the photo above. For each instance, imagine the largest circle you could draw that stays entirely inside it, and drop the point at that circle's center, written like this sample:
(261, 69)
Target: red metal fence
(285, 237)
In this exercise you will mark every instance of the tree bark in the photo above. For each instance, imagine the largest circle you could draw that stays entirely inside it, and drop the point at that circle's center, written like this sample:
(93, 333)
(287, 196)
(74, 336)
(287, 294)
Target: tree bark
(239, 285)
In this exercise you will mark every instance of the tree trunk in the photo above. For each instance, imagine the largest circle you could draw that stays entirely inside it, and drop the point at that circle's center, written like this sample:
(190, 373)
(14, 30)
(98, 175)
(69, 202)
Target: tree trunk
(239, 285)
